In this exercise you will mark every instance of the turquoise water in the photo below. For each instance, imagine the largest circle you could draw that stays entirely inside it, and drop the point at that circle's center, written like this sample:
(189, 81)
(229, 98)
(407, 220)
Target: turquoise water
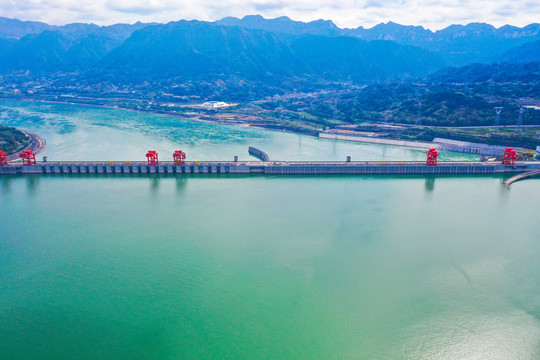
(90, 133)
(260, 267)
(269, 268)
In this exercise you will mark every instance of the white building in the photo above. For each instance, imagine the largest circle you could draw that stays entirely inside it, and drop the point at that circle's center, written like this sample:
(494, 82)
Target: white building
(215, 104)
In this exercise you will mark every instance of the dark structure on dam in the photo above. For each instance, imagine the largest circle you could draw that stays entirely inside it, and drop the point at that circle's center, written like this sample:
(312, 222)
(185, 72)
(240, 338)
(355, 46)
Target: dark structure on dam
(258, 153)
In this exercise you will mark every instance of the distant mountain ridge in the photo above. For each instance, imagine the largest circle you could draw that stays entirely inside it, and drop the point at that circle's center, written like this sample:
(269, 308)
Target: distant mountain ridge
(200, 50)
(457, 44)
(284, 25)
(68, 48)
(248, 53)
(16, 29)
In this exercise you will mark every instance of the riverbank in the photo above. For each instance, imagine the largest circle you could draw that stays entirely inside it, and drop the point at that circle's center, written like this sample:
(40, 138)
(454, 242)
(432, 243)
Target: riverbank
(437, 143)
(251, 121)
(380, 134)
(37, 145)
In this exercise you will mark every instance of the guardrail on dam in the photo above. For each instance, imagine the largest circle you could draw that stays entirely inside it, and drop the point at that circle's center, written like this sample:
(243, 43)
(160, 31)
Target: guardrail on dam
(274, 168)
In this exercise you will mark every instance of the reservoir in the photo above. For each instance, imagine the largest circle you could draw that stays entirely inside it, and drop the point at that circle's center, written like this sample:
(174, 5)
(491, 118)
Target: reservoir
(257, 267)
(87, 133)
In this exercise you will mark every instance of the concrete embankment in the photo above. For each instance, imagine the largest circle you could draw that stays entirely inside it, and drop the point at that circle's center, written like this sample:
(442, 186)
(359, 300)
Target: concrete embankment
(528, 174)
(374, 140)
(274, 168)
(438, 143)
(258, 153)
(470, 147)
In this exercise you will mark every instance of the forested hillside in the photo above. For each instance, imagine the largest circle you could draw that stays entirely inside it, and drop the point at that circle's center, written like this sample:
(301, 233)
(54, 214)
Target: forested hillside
(11, 139)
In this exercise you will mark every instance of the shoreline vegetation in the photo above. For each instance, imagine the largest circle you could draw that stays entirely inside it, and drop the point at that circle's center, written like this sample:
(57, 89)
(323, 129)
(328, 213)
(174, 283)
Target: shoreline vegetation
(13, 141)
(526, 136)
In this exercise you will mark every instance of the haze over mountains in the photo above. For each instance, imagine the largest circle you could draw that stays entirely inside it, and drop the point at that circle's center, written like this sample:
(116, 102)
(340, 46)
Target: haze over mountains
(458, 44)
(277, 52)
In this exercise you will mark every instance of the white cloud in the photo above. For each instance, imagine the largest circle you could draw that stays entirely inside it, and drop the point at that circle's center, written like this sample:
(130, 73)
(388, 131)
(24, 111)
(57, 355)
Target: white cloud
(432, 14)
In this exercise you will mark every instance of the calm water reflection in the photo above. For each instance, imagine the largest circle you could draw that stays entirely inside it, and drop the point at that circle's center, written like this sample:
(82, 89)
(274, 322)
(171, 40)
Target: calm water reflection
(266, 267)
(258, 267)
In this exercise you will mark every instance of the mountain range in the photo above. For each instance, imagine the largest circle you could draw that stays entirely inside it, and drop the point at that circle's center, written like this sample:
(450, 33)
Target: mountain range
(280, 51)
(458, 44)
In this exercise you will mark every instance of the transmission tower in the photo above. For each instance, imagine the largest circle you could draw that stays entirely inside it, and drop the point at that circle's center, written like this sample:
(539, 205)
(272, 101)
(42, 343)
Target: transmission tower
(498, 110)
(419, 114)
(520, 119)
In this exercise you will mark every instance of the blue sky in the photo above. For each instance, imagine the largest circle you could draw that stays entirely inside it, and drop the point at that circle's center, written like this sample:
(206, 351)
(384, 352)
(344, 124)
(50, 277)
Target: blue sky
(431, 14)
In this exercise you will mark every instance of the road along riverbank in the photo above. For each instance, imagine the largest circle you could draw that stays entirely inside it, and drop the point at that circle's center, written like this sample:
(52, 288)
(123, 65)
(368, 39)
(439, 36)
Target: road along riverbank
(37, 145)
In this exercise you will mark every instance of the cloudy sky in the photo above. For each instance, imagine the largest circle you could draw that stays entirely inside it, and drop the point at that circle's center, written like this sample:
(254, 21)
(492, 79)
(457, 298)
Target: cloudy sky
(432, 14)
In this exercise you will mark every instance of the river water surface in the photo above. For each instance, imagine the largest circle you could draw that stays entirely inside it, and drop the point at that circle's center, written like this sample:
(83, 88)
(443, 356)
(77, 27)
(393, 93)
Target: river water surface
(257, 267)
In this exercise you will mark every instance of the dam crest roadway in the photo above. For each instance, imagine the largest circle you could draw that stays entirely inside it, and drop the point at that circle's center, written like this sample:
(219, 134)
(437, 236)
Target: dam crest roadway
(272, 167)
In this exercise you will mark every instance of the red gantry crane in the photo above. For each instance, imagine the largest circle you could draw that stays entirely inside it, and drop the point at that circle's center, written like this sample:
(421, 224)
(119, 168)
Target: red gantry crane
(3, 158)
(432, 156)
(509, 156)
(28, 157)
(179, 156)
(152, 157)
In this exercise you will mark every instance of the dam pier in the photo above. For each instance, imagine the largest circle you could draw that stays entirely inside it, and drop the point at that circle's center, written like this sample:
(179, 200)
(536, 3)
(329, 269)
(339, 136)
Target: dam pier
(271, 168)
(29, 165)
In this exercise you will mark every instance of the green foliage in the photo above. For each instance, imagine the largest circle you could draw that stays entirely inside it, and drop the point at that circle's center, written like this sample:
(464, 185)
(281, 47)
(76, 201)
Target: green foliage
(442, 100)
(11, 140)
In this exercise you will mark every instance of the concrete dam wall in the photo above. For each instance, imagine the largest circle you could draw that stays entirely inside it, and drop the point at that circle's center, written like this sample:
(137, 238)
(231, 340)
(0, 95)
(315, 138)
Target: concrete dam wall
(274, 168)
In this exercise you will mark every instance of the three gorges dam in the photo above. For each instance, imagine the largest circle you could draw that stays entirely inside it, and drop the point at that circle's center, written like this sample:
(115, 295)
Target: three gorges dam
(179, 165)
